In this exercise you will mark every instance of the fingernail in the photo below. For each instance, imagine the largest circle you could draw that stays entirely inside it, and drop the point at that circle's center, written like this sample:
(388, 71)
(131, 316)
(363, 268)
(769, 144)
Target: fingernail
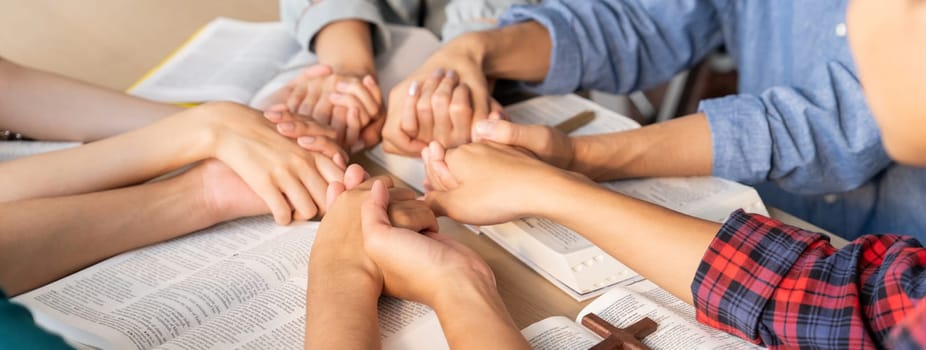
(273, 115)
(359, 146)
(306, 140)
(286, 126)
(439, 73)
(434, 149)
(484, 128)
(413, 89)
(452, 74)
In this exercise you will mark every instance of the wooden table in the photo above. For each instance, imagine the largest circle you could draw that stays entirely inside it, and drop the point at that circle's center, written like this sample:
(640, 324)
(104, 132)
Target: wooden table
(114, 42)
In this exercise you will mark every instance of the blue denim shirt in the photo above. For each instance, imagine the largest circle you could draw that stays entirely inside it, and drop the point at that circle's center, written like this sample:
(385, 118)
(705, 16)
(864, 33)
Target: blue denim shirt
(799, 124)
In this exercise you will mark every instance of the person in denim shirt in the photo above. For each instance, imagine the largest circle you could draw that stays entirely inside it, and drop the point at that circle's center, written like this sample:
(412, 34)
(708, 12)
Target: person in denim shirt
(799, 128)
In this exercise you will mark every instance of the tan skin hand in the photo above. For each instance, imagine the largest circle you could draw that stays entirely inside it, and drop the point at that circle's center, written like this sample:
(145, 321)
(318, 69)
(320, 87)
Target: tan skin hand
(485, 183)
(291, 180)
(546, 143)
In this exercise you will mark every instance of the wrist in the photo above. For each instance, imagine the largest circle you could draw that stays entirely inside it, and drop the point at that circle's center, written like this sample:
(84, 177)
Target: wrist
(347, 46)
(472, 46)
(467, 292)
(563, 190)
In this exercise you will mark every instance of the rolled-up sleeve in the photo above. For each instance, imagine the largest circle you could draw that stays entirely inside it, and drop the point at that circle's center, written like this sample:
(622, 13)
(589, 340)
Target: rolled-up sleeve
(305, 18)
(620, 45)
(784, 287)
(809, 142)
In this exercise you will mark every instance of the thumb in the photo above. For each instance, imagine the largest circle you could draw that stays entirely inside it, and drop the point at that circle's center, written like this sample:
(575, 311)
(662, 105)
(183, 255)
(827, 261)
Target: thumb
(373, 213)
(317, 71)
(501, 131)
(334, 190)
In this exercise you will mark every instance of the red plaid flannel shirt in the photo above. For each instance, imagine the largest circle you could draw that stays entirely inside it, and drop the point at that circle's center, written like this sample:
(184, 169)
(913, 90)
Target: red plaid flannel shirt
(784, 287)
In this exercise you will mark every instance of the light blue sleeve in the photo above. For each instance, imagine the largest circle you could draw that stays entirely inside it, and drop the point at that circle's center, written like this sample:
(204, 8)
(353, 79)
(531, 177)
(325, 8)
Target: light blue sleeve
(620, 45)
(808, 142)
(305, 18)
(464, 16)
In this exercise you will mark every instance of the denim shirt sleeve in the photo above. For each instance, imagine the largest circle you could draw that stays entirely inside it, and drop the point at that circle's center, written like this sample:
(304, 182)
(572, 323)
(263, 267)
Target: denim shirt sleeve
(305, 18)
(465, 16)
(808, 142)
(620, 45)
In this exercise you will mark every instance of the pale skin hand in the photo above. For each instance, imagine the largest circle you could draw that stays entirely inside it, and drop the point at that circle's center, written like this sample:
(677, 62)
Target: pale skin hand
(341, 91)
(286, 176)
(82, 229)
(462, 192)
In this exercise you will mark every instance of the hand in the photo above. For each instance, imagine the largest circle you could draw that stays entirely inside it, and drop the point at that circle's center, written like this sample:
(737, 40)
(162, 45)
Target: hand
(488, 183)
(285, 176)
(225, 195)
(415, 266)
(400, 136)
(348, 102)
(544, 142)
(308, 134)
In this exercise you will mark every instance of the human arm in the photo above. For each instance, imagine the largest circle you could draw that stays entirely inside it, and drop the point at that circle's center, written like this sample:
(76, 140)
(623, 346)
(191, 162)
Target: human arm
(239, 136)
(464, 16)
(44, 239)
(752, 276)
(46, 106)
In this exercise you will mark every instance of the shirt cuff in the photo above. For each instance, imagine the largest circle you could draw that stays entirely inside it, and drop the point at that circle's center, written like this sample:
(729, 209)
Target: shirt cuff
(740, 138)
(565, 71)
(318, 15)
(742, 268)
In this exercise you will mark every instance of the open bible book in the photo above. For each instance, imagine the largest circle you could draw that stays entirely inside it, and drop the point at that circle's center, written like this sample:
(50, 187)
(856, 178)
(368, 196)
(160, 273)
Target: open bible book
(245, 62)
(622, 306)
(561, 255)
(239, 285)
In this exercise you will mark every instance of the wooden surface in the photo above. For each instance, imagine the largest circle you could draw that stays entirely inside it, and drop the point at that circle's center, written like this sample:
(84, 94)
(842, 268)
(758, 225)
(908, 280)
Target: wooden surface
(114, 42)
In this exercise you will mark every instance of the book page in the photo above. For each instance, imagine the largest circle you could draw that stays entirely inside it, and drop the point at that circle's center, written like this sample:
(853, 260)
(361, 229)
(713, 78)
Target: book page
(559, 333)
(677, 326)
(238, 283)
(228, 60)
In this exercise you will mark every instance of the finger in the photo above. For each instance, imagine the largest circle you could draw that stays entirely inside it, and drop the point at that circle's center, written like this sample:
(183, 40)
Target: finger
(316, 184)
(532, 137)
(277, 113)
(461, 114)
(317, 71)
(352, 133)
(368, 183)
(409, 123)
(296, 97)
(298, 197)
(300, 128)
(354, 176)
(279, 207)
(431, 181)
(370, 83)
(371, 134)
(499, 111)
(325, 146)
(439, 166)
(411, 215)
(311, 100)
(423, 108)
(340, 160)
(361, 93)
(440, 107)
(397, 194)
(329, 169)
(322, 110)
(339, 124)
(437, 201)
(373, 215)
(334, 190)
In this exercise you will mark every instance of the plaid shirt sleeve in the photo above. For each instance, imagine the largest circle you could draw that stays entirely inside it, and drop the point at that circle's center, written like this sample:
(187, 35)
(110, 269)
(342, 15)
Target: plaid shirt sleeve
(781, 286)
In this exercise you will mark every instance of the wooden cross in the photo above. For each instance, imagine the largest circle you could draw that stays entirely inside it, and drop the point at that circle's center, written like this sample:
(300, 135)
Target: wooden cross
(619, 338)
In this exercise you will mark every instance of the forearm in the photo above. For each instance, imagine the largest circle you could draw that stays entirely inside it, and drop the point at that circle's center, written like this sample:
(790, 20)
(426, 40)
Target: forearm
(46, 106)
(680, 147)
(346, 46)
(518, 52)
(341, 311)
(662, 245)
(42, 240)
(471, 304)
(118, 161)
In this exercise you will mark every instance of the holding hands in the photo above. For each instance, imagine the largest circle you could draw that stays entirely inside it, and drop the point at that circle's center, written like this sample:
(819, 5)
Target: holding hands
(349, 103)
